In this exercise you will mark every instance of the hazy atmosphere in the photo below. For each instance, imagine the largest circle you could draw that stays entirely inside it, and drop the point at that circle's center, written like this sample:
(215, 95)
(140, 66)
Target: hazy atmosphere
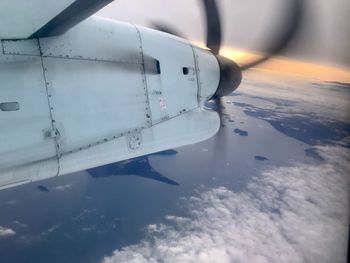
(250, 24)
(124, 144)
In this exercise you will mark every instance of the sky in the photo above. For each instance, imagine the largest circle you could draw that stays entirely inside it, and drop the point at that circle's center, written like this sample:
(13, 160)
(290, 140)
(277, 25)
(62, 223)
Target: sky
(251, 24)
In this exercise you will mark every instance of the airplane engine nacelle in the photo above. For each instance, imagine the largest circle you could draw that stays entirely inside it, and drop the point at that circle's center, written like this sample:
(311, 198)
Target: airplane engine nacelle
(100, 93)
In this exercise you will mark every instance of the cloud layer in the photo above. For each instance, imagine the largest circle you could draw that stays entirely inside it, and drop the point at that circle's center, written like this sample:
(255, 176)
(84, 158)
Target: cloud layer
(5, 232)
(288, 214)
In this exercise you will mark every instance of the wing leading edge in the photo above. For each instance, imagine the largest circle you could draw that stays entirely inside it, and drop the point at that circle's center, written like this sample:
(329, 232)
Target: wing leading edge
(20, 19)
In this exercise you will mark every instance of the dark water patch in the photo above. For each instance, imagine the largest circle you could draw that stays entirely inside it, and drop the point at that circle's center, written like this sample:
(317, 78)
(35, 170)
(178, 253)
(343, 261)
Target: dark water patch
(226, 116)
(308, 128)
(242, 105)
(333, 85)
(339, 84)
(313, 153)
(42, 188)
(277, 102)
(260, 158)
(241, 132)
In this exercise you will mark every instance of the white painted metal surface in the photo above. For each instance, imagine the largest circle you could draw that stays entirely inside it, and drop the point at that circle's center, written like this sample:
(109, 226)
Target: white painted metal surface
(97, 90)
(96, 39)
(172, 87)
(21, 18)
(189, 128)
(96, 95)
(208, 73)
(37, 171)
(99, 101)
(21, 47)
(24, 134)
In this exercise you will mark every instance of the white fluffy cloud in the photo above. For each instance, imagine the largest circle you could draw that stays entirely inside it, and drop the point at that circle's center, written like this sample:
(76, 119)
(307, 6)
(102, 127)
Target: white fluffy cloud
(5, 232)
(288, 214)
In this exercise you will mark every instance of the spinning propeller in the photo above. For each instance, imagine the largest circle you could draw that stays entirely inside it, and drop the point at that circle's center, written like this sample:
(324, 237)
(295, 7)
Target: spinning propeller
(230, 72)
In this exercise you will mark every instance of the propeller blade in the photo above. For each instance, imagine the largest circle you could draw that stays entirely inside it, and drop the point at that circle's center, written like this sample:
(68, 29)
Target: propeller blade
(286, 36)
(166, 29)
(213, 23)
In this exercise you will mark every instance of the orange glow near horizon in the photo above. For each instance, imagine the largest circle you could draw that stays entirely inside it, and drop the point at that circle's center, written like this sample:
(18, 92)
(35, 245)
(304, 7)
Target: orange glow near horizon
(290, 66)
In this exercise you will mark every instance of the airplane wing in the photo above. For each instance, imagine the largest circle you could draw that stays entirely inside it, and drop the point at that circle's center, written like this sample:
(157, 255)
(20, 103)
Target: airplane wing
(23, 19)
